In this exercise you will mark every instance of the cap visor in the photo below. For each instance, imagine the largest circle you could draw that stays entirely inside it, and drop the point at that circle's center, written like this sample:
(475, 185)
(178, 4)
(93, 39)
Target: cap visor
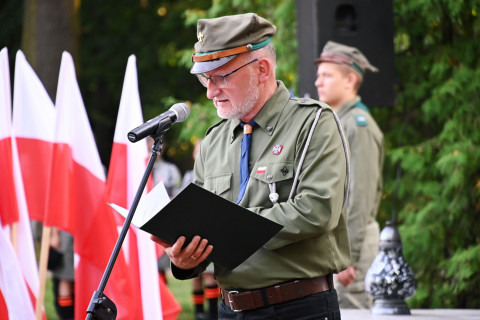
(202, 67)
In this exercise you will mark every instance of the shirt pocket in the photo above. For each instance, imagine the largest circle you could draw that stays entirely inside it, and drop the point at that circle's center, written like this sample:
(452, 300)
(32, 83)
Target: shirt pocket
(220, 185)
(280, 173)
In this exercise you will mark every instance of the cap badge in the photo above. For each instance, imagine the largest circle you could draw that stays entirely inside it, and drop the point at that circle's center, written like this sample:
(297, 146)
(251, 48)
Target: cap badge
(200, 37)
(277, 149)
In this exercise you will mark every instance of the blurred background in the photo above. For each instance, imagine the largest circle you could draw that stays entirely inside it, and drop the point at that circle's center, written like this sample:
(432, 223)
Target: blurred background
(432, 126)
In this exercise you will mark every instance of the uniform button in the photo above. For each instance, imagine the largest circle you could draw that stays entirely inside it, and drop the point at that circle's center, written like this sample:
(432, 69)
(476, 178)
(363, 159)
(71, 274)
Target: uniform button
(303, 100)
(269, 176)
(213, 191)
(269, 129)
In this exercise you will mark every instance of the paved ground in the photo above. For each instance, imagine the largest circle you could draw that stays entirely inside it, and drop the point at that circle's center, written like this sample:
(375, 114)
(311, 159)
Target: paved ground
(416, 314)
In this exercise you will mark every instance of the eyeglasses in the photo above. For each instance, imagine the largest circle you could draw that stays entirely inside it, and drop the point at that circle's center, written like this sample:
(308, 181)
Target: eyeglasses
(220, 81)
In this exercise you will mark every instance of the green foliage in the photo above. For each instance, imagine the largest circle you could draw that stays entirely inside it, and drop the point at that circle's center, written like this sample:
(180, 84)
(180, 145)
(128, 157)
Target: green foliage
(152, 30)
(438, 149)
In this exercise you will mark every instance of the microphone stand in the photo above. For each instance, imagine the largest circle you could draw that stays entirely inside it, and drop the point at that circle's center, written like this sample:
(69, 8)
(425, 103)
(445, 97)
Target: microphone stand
(101, 307)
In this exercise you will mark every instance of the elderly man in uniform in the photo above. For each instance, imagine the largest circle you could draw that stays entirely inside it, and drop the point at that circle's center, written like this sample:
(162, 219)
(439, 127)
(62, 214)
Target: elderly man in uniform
(340, 73)
(295, 173)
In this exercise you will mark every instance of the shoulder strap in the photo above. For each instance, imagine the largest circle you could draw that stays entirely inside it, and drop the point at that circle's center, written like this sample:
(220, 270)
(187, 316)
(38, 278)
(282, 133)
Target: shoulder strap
(361, 105)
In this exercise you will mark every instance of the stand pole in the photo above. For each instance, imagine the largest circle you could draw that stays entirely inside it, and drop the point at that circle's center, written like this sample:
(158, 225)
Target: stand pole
(101, 307)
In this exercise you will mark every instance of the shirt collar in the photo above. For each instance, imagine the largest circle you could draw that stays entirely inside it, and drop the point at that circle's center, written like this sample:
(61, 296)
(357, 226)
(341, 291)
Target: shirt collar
(348, 105)
(267, 117)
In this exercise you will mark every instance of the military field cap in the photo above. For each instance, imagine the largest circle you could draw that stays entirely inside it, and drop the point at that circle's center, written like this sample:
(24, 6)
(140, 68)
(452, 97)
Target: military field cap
(340, 53)
(221, 39)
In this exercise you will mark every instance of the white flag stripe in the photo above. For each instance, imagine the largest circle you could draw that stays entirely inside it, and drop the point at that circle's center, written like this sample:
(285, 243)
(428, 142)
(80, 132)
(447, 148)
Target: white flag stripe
(129, 117)
(72, 114)
(32, 107)
(151, 300)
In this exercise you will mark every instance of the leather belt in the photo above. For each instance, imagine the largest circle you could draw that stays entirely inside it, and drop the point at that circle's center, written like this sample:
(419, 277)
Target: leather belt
(248, 300)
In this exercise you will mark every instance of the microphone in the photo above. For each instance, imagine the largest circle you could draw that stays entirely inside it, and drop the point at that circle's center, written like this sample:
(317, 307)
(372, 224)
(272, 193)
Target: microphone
(177, 113)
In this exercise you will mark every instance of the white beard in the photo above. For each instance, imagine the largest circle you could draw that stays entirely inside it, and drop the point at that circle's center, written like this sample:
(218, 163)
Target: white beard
(239, 111)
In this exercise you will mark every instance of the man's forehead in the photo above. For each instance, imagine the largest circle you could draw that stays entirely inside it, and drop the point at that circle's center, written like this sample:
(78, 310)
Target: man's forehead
(330, 66)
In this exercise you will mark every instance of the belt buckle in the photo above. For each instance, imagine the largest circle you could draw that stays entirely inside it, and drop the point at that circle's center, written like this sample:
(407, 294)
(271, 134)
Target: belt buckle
(229, 294)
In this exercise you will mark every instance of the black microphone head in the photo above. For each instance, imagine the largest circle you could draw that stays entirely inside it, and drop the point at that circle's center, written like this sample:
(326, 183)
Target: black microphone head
(182, 111)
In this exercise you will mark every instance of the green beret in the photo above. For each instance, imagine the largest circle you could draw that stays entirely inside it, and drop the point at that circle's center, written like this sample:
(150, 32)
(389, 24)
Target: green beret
(221, 39)
(340, 53)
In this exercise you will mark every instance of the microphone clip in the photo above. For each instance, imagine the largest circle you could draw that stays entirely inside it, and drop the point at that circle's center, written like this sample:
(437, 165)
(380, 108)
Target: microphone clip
(101, 307)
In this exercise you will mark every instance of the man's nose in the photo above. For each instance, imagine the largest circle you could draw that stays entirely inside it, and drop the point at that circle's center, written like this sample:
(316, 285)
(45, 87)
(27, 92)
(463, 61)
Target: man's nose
(212, 90)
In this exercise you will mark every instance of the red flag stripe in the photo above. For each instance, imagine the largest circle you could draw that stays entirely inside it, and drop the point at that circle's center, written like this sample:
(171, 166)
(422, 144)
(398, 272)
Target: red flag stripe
(35, 161)
(8, 200)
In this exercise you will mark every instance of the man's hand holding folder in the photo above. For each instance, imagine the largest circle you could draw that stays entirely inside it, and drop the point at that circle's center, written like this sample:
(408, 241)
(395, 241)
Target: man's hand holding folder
(187, 257)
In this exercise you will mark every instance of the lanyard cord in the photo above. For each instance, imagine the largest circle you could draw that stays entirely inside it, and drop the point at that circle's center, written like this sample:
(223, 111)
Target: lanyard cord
(302, 158)
(307, 144)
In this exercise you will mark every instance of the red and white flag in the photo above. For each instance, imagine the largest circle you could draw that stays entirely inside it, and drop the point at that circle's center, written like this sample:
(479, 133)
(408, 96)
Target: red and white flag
(8, 202)
(19, 272)
(33, 129)
(75, 200)
(12, 286)
(32, 132)
(127, 167)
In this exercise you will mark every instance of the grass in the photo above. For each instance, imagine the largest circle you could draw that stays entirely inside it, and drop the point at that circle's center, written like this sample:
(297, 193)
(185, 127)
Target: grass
(181, 289)
(49, 300)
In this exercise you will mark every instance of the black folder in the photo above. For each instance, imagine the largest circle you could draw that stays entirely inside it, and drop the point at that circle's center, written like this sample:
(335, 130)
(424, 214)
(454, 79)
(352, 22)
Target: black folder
(235, 232)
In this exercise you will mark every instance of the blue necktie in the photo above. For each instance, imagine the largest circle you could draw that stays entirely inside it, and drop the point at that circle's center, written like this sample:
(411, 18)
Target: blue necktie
(244, 157)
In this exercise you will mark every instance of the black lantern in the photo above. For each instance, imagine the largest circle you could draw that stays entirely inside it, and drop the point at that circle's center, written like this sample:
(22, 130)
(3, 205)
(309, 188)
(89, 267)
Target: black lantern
(390, 280)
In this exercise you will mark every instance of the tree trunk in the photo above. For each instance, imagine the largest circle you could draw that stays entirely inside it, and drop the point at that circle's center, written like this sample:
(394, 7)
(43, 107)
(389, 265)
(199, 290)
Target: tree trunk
(50, 27)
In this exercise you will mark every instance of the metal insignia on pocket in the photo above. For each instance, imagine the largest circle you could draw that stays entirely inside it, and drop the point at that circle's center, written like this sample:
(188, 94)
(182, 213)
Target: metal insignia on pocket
(277, 149)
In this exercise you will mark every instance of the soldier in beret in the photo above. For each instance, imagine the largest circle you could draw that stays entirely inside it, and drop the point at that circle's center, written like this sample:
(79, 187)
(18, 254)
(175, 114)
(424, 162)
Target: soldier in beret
(340, 71)
(294, 173)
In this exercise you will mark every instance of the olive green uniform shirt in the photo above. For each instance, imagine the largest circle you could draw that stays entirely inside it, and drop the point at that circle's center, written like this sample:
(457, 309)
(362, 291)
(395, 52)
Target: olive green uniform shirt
(366, 162)
(314, 240)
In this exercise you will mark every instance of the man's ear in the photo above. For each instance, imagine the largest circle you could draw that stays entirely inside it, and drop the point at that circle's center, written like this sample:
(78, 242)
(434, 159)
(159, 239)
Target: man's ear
(352, 79)
(264, 67)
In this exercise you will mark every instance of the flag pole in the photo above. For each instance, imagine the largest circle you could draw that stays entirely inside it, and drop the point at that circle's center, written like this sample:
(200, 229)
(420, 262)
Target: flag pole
(42, 271)
(14, 236)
